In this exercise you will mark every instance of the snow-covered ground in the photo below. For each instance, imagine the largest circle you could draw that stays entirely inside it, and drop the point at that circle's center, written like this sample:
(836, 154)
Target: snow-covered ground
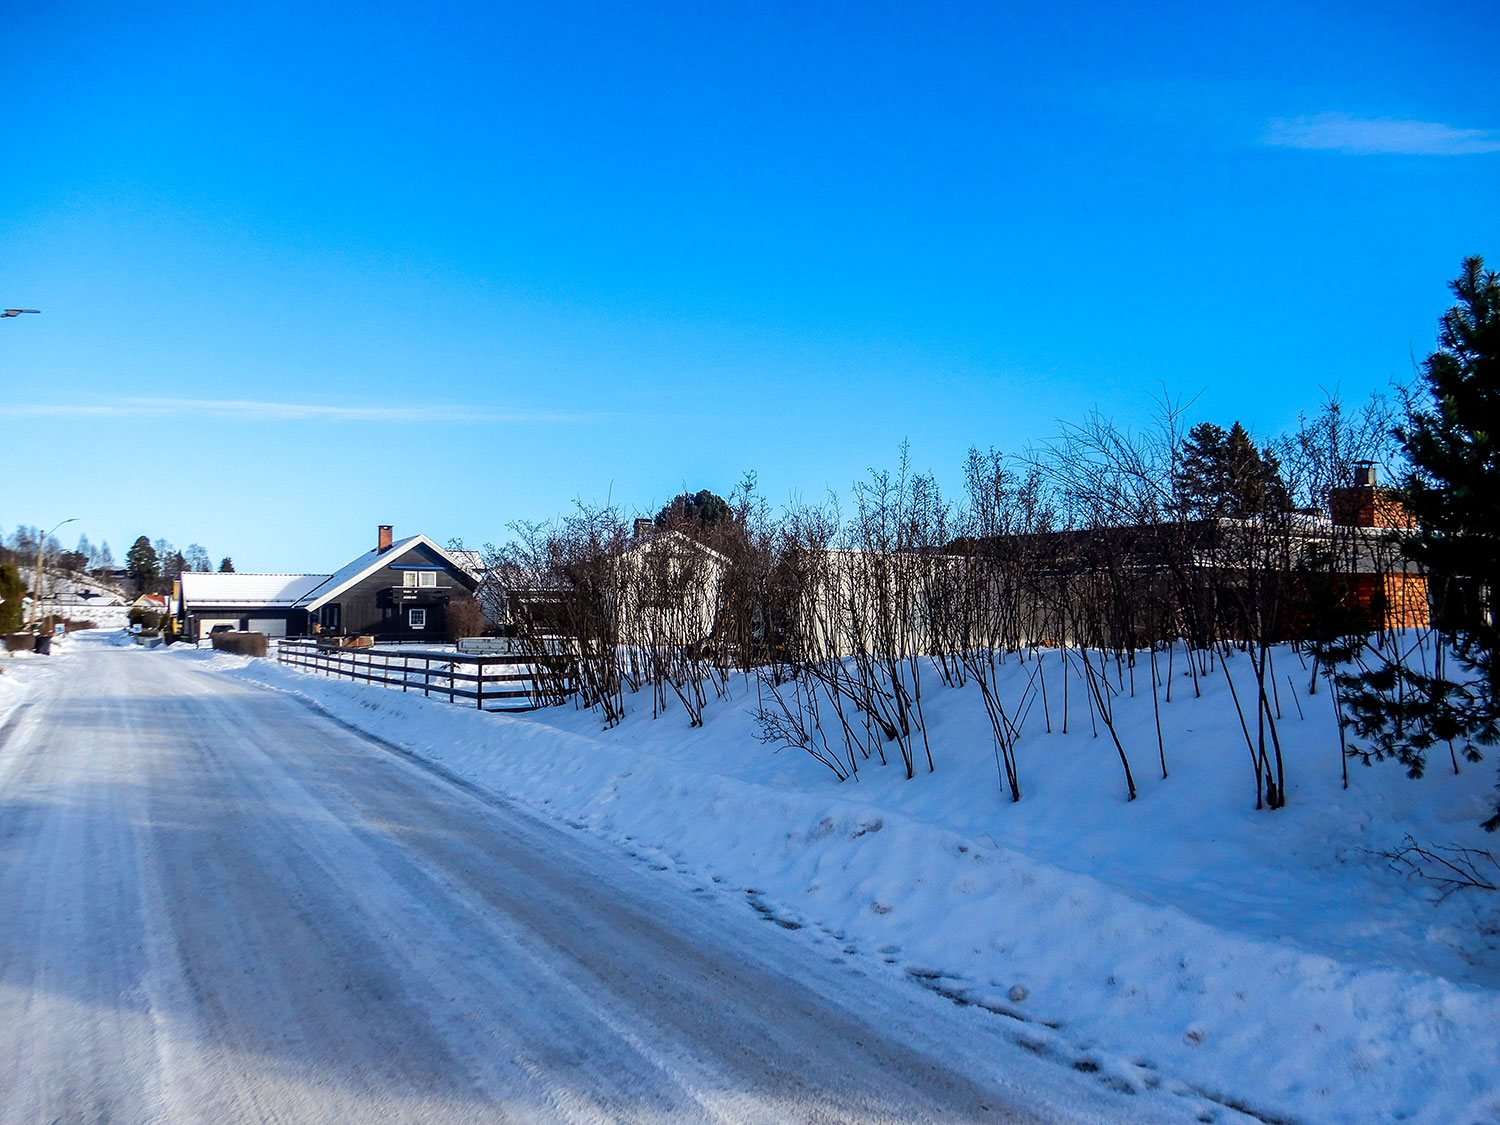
(79, 597)
(1266, 961)
(223, 905)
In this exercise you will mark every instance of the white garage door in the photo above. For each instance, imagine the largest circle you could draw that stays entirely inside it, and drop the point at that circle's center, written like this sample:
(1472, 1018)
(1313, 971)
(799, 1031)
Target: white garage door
(206, 624)
(270, 626)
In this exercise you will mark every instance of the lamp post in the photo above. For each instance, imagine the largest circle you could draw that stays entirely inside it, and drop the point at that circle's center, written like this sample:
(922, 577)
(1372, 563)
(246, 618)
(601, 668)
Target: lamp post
(36, 586)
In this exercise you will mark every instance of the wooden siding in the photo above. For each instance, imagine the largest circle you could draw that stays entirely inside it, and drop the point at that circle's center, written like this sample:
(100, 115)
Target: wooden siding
(377, 605)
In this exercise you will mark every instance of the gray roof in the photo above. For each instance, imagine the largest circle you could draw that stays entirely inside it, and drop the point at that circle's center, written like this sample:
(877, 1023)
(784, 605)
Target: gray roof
(367, 563)
(203, 591)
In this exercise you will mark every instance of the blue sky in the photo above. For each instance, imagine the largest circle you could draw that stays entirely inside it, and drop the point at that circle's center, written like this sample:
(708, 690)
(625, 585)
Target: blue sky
(309, 268)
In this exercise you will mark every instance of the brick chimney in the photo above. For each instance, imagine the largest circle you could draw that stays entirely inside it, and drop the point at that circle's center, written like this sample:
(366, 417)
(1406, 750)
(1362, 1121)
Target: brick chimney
(383, 542)
(1364, 504)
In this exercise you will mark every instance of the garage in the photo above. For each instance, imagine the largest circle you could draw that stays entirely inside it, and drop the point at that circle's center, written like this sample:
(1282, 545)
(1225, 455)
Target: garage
(260, 603)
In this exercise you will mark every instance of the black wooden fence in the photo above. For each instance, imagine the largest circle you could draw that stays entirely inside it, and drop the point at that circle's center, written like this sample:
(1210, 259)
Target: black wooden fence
(490, 683)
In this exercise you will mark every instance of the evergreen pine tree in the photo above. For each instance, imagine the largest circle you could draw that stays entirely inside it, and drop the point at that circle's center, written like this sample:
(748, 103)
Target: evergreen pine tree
(12, 590)
(1453, 493)
(226, 566)
(702, 508)
(1221, 474)
(142, 564)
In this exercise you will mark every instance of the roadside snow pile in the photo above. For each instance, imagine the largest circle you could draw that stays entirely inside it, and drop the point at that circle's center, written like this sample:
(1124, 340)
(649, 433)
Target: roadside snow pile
(20, 672)
(1271, 962)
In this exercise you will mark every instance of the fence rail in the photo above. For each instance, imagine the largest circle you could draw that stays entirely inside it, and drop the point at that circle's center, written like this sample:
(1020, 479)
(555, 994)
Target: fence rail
(489, 683)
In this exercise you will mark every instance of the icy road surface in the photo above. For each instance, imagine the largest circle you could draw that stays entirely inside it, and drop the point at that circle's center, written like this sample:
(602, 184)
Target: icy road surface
(221, 905)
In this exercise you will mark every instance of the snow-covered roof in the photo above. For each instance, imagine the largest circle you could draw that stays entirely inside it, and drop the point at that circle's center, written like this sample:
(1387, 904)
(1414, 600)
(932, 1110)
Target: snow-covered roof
(471, 561)
(365, 565)
(656, 539)
(204, 590)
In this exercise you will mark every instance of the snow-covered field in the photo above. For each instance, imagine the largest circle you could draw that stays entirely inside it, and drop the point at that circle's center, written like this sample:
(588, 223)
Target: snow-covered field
(1260, 962)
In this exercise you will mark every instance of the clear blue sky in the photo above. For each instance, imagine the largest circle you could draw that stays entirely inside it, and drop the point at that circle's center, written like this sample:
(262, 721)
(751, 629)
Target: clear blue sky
(309, 268)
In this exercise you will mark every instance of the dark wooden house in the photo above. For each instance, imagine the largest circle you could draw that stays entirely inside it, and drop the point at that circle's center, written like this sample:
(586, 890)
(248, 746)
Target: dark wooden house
(399, 591)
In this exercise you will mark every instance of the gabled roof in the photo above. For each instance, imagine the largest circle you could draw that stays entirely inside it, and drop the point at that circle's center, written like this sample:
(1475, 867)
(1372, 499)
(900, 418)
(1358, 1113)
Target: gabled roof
(201, 591)
(366, 565)
(471, 561)
(672, 536)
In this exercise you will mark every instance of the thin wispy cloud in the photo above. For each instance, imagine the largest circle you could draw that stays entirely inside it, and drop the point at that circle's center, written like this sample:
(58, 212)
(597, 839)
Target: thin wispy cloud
(1378, 136)
(253, 410)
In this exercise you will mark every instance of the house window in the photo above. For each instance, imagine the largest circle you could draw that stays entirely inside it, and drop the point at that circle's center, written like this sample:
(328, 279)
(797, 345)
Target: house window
(427, 578)
(331, 616)
(409, 578)
(417, 618)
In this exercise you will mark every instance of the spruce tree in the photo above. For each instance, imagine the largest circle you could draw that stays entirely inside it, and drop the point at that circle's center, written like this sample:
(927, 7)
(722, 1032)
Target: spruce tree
(1221, 474)
(694, 511)
(141, 563)
(1453, 493)
(12, 591)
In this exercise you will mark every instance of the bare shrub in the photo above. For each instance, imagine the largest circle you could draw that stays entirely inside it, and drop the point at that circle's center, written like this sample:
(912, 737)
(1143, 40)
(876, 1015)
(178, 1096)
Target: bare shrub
(464, 618)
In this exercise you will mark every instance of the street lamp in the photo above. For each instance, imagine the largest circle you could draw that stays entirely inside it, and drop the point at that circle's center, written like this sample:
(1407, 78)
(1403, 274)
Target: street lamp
(18, 312)
(36, 585)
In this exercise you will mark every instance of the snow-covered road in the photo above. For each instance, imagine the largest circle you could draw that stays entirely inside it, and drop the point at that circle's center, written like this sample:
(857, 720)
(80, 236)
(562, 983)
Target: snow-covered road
(222, 905)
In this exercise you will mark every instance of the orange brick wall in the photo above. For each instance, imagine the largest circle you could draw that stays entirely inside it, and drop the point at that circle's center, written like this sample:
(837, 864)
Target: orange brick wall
(1367, 507)
(1391, 601)
(1406, 605)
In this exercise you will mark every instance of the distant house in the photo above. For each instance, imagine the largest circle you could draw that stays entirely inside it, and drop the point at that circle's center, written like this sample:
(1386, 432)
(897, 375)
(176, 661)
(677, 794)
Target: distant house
(655, 588)
(399, 590)
(670, 585)
(153, 603)
(72, 592)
